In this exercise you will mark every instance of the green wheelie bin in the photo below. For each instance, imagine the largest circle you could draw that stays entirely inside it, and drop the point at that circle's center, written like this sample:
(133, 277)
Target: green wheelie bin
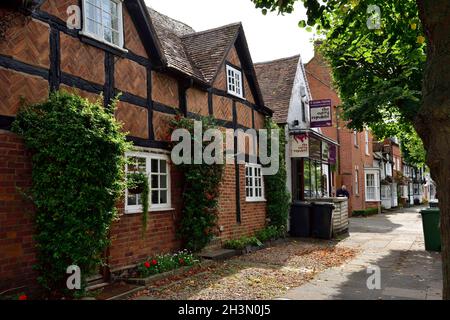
(431, 229)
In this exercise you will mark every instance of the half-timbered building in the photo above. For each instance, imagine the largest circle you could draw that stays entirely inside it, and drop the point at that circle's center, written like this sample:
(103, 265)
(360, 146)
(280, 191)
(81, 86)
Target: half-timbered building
(161, 67)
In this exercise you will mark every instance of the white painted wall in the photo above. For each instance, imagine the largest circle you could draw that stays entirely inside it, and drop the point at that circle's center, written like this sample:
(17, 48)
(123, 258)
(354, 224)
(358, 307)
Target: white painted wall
(300, 92)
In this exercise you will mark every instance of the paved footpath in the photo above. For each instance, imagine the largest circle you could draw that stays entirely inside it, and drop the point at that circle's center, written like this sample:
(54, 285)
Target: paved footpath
(393, 242)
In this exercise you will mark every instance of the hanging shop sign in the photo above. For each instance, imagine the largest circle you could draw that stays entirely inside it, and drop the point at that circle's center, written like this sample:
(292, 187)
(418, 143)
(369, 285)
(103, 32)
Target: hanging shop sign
(320, 113)
(299, 145)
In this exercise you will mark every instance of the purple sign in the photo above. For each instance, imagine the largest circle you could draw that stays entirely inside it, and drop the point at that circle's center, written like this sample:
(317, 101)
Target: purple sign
(320, 113)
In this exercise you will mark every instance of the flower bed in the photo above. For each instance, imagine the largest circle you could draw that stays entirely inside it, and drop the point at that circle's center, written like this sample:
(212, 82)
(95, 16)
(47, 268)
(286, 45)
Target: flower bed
(155, 268)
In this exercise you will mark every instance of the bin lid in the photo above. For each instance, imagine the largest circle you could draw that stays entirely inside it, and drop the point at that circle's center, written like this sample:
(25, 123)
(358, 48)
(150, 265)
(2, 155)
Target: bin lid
(430, 211)
(326, 204)
(298, 203)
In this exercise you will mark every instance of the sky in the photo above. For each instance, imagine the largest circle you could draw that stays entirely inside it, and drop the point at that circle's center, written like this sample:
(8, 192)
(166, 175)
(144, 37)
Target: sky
(269, 37)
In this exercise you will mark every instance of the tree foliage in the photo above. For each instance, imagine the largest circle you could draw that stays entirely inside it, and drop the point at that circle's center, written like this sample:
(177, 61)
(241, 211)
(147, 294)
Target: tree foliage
(78, 176)
(378, 70)
(278, 197)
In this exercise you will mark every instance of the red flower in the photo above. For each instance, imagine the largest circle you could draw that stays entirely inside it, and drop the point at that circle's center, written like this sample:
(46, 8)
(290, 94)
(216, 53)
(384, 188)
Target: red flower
(154, 262)
(23, 297)
(147, 264)
(181, 260)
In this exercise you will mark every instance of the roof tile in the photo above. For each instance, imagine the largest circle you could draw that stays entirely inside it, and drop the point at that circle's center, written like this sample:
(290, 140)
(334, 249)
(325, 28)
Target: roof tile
(276, 79)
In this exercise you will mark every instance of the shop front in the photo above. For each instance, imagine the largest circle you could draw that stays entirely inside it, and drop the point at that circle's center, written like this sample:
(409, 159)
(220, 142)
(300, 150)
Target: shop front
(313, 159)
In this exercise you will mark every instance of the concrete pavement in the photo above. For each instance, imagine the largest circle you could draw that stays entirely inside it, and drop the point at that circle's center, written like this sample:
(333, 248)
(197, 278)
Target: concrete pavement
(394, 243)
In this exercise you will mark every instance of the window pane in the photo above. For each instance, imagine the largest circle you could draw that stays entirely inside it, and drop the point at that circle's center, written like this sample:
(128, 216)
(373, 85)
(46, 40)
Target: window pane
(93, 12)
(163, 166)
(116, 38)
(107, 34)
(109, 6)
(142, 165)
(163, 182)
(93, 27)
(163, 197)
(155, 184)
(155, 166)
(106, 19)
(132, 200)
(307, 178)
(154, 197)
(94, 2)
(313, 180)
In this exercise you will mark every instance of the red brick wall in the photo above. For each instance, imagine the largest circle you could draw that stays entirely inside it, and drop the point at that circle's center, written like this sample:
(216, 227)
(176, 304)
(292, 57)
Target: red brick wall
(253, 215)
(351, 157)
(128, 243)
(17, 248)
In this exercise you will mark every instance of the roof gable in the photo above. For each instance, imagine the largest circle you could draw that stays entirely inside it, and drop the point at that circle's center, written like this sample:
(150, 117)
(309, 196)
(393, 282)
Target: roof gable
(201, 55)
(209, 49)
(276, 80)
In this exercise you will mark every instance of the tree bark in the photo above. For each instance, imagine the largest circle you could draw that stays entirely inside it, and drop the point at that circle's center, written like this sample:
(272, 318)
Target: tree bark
(433, 120)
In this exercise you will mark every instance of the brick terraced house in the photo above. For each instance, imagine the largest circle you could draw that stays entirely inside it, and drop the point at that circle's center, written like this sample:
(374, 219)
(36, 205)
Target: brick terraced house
(162, 67)
(357, 168)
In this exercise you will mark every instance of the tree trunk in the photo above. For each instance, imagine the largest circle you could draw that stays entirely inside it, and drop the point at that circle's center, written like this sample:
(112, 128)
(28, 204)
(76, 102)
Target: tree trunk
(433, 120)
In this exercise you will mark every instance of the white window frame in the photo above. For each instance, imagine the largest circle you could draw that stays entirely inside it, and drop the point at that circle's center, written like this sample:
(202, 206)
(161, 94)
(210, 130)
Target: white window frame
(253, 178)
(376, 186)
(356, 182)
(234, 82)
(149, 156)
(355, 138)
(101, 38)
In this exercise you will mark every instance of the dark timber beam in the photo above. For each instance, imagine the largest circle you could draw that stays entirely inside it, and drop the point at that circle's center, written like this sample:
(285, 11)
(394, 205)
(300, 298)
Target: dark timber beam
(236, 167)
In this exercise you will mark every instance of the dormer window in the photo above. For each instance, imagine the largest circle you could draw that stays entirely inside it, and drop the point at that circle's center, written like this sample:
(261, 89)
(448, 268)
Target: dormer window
(103, 21)
(234, 82)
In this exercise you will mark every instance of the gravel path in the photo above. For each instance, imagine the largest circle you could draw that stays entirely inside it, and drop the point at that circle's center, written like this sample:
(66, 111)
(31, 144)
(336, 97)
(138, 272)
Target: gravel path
(264, 274)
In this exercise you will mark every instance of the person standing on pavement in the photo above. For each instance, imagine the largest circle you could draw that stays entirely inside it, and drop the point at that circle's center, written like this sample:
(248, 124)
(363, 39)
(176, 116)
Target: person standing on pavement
(342, 192)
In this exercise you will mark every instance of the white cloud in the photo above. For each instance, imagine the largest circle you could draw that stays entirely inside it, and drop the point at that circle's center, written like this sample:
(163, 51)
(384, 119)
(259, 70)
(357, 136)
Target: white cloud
(270, 37)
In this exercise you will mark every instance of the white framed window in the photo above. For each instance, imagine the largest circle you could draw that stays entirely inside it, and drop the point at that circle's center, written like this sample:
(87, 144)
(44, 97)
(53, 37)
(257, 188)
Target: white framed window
(254, 182)
(103, 21)
(156, 167)
(356, 182)
(366, 141)
(372, 186)
(234, 82)
(355, 138)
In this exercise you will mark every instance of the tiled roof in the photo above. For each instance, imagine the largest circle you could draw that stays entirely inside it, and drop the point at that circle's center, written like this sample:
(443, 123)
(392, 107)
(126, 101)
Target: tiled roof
(198, 54)
(207, 49)
(201, 54)
(276, 79)
(169, 32)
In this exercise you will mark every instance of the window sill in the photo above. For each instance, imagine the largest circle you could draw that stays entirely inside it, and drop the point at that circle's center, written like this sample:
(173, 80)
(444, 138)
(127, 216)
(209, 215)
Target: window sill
(139, 211)
(255, 200)
(101, 44)
(236, 96)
